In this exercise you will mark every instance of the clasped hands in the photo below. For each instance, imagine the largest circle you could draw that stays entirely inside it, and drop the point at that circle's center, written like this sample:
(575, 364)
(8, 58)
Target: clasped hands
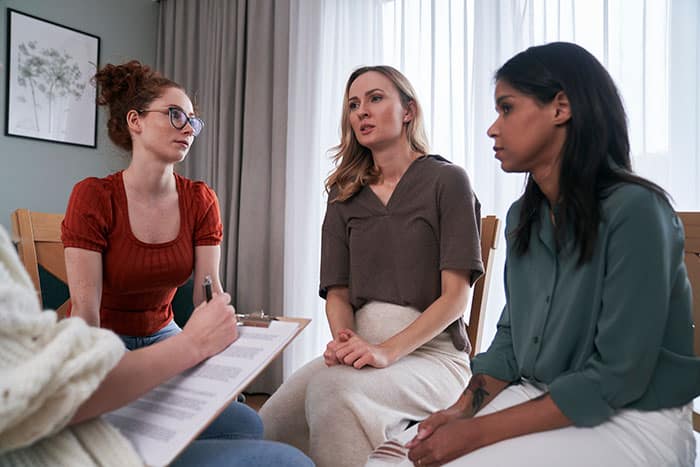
(441, 438)
(350, 349)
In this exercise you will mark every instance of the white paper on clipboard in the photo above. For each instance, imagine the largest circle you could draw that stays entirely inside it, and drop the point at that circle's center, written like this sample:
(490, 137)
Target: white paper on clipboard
(165, 420)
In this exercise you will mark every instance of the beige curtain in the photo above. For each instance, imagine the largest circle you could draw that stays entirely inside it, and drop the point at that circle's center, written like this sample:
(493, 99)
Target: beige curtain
(232, 57)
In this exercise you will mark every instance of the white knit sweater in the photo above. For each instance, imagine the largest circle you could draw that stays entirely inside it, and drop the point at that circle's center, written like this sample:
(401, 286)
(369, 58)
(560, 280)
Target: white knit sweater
(47, 369)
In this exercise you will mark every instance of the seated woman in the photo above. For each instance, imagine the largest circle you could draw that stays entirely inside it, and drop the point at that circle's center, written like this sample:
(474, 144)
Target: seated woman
(133, 237)
(400, 249)
(57, 377)
(593, 362)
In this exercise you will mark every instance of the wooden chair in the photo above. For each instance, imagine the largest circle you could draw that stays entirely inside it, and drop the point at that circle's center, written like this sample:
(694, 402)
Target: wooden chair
(38, 239)
(691, 224)
(489, 241)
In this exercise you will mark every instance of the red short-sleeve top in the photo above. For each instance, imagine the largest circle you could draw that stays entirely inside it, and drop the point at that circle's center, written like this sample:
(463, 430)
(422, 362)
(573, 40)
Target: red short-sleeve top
(139, 279)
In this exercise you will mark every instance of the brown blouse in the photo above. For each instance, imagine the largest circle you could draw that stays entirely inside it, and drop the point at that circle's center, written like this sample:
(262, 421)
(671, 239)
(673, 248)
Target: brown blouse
(395, 253)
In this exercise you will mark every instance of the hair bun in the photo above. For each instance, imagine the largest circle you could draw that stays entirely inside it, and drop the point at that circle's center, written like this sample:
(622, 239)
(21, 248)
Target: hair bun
(131, 85)
(121, 83)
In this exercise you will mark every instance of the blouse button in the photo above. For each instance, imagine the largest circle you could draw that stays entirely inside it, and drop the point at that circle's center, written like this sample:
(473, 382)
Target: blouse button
(535, 340)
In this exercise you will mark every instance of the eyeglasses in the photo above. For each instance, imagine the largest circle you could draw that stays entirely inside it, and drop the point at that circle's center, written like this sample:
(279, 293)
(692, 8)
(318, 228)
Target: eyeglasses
(178, 119)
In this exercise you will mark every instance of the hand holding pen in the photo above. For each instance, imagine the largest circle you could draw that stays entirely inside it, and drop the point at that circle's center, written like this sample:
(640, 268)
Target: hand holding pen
(259, 319)
(207, 288)
(206, 285)
(212, 326)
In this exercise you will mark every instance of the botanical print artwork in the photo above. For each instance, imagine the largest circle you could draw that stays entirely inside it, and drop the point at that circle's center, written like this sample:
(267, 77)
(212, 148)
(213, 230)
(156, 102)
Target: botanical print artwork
(50, 75)
(49, 70)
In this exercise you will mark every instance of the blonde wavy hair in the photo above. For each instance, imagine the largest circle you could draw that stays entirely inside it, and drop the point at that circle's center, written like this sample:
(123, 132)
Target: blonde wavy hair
(354, 165)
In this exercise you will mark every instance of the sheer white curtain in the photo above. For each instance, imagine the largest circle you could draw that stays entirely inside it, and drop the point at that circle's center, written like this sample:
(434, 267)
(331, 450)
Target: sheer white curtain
(449, 50)
(328, 39)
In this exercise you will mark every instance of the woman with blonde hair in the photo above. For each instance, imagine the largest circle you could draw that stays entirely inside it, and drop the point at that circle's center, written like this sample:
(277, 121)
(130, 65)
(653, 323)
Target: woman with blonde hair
(400, 250)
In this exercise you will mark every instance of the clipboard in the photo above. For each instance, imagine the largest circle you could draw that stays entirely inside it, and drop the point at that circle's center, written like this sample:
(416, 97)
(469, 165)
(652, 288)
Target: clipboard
(257, 319)
(155, 423)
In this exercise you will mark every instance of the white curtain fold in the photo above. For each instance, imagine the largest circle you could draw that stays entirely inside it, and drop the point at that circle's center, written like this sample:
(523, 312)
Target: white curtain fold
(328, 39)
(449, 50)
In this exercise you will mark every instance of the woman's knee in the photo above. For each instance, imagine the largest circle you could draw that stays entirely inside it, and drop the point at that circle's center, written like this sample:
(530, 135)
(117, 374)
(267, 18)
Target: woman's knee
(333, 390)
(287, 403)
(237, 421)
(241, 453)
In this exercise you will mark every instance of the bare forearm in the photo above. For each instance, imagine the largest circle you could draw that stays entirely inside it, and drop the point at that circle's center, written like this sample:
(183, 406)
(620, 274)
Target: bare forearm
(479, 392)
(540, 414)
(449, 434)
(429, 324)
(91, 315)
(339, 310)
(84, 271)
(448, 307)
(206, 263)
(340, 318)
(137, 373)
(198, 290)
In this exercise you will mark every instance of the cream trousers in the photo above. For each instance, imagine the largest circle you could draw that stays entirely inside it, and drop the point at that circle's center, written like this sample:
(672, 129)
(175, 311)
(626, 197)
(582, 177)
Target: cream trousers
(662, 438)
(338, 414)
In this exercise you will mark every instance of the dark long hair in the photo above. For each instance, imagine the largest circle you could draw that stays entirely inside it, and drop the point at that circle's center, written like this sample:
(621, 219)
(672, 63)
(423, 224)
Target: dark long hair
(595, 155)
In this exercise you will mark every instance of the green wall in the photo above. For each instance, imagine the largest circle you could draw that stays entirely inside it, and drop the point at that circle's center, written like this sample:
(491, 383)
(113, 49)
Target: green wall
(37, 174)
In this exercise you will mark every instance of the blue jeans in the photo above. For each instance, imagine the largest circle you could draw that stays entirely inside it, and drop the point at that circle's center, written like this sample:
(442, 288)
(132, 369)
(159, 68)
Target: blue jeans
(241, 453)
(234, 438)
(136, 342)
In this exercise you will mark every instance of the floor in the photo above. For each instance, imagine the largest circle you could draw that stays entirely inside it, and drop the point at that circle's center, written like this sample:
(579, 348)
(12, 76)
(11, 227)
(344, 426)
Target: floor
(255, 401)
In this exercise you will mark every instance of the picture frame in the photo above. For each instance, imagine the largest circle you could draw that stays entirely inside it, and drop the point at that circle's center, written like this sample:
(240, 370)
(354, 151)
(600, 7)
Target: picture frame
(49, 94)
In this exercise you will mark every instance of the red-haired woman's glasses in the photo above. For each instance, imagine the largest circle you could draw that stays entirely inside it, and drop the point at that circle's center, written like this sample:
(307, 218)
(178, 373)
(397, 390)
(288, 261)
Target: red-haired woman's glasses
(178, 119)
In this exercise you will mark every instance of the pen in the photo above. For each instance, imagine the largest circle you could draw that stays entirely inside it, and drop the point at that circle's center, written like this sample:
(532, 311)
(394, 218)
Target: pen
(207, 287)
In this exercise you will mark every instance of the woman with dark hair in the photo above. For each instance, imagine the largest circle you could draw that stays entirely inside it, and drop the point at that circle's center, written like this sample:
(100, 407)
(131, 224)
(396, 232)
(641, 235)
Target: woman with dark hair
(592, 362)
(133, 237)
(400, 250)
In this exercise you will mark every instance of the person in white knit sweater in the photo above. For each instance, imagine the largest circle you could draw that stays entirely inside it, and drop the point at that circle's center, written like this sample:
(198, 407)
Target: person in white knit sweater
(57, 377)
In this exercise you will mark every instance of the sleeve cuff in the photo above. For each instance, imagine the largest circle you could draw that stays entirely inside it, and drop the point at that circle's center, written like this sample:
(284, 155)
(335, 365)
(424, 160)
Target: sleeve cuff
(497, 365)
(84, 245)
(580, 399)
(323, 288)
(208, 242)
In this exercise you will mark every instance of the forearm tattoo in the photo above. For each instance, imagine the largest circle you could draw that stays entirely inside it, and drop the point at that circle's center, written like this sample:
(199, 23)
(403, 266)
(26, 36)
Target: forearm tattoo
(476, 386)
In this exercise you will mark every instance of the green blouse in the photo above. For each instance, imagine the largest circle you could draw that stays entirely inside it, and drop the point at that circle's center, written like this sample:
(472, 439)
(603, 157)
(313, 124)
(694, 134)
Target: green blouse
(616, 332)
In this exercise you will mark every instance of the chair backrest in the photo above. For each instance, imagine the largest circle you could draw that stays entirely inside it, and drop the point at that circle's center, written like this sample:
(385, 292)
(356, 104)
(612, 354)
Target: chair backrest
(38, 239)
(691, 225)
(489, 242)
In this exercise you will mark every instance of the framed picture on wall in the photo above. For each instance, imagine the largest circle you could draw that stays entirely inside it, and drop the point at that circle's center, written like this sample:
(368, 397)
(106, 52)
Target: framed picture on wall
(49, 94)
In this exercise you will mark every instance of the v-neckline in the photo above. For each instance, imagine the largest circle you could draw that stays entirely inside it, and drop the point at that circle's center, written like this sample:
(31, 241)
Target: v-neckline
(398, 184)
